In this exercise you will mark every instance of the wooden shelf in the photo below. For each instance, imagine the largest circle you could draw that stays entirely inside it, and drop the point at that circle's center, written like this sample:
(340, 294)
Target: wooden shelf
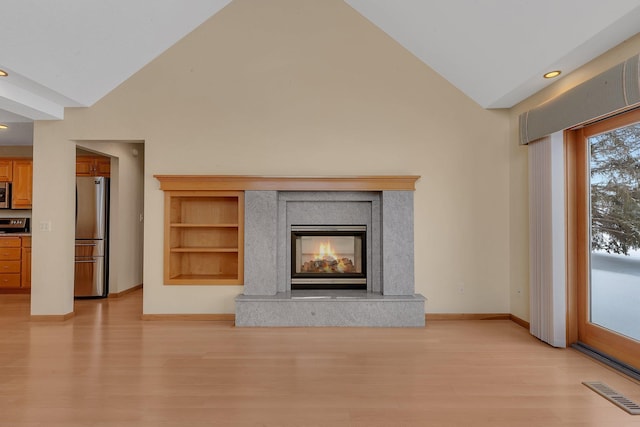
(204, 237)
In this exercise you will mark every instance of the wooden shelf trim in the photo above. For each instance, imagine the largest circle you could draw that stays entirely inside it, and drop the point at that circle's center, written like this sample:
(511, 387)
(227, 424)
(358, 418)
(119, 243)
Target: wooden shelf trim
(182, 225)
(277, 183)
(204, 249)
(206, 280)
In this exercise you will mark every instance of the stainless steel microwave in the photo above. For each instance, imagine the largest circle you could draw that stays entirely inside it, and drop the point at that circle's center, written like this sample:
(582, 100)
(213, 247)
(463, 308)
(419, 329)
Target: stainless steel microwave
(5, 195)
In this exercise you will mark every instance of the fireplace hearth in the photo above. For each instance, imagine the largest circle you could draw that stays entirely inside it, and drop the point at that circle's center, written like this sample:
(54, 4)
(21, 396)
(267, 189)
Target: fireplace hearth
(328, 257)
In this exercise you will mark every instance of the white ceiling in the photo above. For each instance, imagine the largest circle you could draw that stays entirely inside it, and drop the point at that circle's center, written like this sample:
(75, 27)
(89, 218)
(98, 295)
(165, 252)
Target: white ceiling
(70, 53)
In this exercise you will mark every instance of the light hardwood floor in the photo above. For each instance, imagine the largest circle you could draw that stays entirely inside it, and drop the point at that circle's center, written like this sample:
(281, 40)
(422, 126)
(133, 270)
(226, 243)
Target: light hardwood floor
(106, 367)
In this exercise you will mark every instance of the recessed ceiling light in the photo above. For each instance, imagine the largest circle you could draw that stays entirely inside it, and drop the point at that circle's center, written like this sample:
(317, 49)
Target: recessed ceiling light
(2, 127)
(552, 74)
(3, 73)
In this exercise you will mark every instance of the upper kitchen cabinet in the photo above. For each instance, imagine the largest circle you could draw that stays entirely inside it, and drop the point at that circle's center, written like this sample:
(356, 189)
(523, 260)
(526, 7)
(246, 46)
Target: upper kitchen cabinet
(22, 187)
(93, 166)
(6, 170)
(103, 166)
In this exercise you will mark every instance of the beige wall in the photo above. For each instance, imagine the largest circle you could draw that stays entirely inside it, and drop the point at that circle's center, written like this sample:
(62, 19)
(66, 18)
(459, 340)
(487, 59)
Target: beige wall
(289, 87)
(518, 191)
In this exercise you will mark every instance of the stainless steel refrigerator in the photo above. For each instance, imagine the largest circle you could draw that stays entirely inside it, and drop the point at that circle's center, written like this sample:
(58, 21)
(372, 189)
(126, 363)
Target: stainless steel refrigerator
(92, 230)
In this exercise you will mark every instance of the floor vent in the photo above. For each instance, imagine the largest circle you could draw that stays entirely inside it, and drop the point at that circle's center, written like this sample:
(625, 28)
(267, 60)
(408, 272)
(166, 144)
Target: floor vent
(613, 396)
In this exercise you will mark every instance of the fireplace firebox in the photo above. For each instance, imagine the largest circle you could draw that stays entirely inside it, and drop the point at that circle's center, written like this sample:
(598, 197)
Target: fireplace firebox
(328, 257)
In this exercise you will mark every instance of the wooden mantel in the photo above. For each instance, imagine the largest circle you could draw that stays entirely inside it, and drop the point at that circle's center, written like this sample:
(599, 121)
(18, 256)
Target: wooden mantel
(281, 183)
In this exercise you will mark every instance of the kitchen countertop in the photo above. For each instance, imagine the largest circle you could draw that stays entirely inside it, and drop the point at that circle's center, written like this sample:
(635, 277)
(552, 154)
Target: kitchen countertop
(15, 234)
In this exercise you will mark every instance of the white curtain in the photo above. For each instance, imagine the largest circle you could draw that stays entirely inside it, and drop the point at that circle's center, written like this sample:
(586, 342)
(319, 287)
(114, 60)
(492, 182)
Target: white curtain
(547, 260)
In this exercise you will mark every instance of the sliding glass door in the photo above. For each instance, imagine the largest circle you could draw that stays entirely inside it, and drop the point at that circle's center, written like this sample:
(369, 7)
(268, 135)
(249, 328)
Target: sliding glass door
(609, 292)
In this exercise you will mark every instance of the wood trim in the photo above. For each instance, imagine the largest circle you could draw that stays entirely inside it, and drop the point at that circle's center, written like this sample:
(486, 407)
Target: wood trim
(620, 120)
(125, 292)
(467, 316)
(51, 317)
(230, 317)
(240, 274)
(582, 245)
(520, 321)
(571, 226)
(225, 317)
(608, 342)
(16, 291)
(166, 259)
(276, 183)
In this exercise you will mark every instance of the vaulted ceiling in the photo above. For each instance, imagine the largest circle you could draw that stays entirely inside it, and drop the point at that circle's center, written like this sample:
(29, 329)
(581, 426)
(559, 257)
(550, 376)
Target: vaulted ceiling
(71, 53)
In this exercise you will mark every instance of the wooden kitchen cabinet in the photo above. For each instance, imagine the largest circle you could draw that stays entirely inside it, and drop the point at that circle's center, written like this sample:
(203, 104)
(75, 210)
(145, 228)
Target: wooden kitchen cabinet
(18, 171)
(93, 166)
(103, 166)
(10, 262)
(204, 237)
(84, 166)
(25, 267)
(15, 262)
(6, 169)
(22, 187)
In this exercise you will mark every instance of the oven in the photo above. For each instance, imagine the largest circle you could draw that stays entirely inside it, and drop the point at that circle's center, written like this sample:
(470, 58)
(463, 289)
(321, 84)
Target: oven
(14, 225)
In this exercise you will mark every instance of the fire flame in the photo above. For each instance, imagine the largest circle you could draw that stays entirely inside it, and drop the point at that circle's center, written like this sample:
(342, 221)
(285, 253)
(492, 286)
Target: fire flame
(326, 252)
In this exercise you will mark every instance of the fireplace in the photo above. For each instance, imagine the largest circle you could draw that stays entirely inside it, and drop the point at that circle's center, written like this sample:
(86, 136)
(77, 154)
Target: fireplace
(370, 234)
(328, 257)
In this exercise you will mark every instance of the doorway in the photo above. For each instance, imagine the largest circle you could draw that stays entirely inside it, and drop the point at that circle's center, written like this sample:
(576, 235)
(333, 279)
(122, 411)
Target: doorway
(123, 162)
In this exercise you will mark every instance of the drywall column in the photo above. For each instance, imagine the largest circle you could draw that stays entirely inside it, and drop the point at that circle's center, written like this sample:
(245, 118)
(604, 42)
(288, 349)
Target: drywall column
(53, 225)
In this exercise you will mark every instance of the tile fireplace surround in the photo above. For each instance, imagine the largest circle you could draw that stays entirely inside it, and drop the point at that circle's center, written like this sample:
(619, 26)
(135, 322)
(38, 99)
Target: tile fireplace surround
(273, 204)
